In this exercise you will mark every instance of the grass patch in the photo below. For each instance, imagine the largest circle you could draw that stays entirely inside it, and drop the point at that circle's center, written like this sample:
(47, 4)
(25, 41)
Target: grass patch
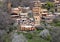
(7, 38)
(18, 33)
(34, 37)
(37, 39)
(55, 23)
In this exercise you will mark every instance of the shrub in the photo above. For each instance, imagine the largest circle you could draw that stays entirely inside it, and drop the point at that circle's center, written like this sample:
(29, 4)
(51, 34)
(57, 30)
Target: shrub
(48, 38)
(29, 36)
(18, 33)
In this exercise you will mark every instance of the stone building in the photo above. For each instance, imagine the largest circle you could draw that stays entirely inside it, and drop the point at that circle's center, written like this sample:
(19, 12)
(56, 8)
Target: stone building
(37, 12)
(57, 7)
(44, 12)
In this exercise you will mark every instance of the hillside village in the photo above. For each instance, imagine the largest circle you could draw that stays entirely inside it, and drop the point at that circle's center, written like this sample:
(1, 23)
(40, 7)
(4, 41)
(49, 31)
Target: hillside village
(27, 17)
(29, 20)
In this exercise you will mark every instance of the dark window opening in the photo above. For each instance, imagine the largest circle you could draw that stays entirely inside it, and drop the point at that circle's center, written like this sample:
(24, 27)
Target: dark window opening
(23, 20)
(14, 14)
(43, 14)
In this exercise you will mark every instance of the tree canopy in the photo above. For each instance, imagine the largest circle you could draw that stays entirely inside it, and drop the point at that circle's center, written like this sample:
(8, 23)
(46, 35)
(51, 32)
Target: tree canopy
(49, 6)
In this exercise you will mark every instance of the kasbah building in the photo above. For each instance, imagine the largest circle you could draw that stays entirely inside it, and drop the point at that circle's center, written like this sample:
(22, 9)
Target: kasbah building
(21, 16)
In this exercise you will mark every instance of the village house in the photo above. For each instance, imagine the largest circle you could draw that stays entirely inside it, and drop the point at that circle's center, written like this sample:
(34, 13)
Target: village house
(56, 1)
(57, 7)
(25, 9)
(44, 12)
(27, 27)
(57, 13)
(49, 18)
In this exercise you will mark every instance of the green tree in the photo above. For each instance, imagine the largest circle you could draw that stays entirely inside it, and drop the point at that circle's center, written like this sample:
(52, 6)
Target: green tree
(49, 6)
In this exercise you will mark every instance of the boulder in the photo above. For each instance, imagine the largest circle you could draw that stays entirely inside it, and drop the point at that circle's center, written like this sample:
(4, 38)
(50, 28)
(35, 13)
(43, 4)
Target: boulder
(45, 33)
(2, 34)
(18, 38)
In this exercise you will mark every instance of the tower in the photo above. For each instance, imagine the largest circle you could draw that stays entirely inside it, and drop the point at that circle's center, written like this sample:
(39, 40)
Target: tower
(37, 12)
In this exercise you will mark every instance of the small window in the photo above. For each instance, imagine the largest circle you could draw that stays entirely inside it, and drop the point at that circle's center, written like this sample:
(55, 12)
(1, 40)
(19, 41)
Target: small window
(36, 18)
(23, 20)
(11, 5)
(43, 14)
(13, 14)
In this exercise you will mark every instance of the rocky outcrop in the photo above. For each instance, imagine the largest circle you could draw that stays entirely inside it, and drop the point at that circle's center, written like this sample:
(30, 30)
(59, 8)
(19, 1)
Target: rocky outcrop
(2, 34)
(45, 33)
(18, 38)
